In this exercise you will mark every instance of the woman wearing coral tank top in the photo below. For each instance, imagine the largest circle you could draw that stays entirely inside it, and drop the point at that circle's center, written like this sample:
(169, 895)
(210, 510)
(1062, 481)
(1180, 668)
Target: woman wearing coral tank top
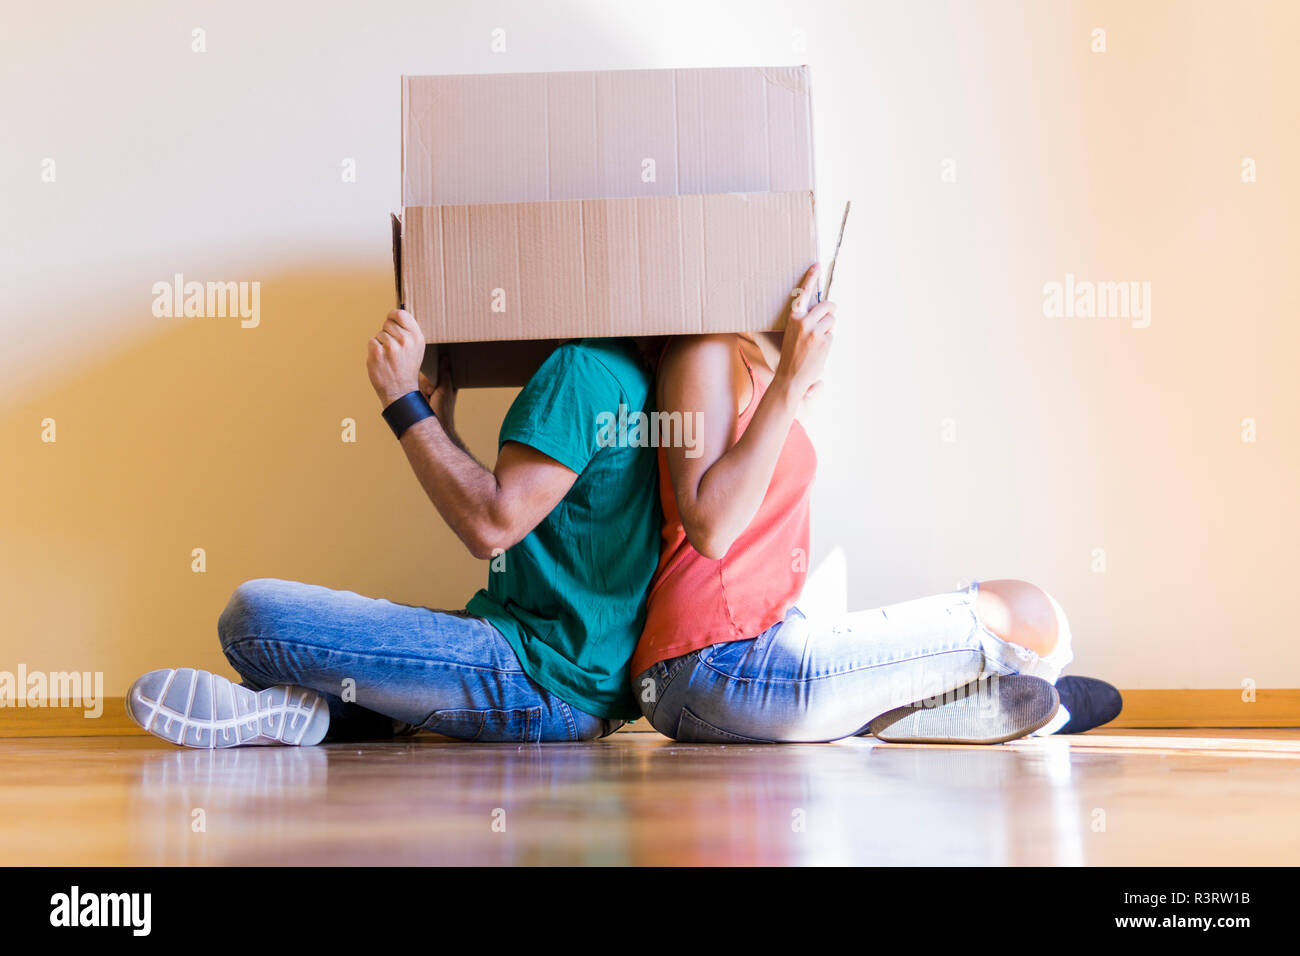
(726, 655)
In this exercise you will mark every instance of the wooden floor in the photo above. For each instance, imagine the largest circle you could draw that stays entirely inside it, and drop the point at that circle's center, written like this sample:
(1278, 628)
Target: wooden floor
(1132, 797)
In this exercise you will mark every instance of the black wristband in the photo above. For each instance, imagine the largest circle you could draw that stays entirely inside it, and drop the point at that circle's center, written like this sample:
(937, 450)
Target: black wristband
(406, 411)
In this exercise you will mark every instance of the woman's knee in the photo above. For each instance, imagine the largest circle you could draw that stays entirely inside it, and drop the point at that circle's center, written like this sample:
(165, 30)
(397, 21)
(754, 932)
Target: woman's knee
(1023, 614)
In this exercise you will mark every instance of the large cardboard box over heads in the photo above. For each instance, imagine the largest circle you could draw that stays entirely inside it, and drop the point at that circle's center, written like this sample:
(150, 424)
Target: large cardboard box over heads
(538, 207)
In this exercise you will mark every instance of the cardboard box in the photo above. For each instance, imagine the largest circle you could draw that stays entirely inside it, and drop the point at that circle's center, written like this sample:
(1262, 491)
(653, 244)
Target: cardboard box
(544, 206)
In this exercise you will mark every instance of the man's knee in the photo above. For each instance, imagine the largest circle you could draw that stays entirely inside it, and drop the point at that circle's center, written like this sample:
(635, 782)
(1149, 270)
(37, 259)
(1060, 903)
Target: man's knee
(249, 609)
(1023, 614)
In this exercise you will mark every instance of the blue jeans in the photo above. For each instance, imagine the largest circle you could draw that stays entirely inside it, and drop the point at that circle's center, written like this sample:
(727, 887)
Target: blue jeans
(376, 663)
(808, 681)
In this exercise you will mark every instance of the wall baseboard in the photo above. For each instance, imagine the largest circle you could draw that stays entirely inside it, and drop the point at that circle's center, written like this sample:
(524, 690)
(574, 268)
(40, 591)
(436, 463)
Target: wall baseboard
(1278, 707)
(1142, 708)
(66, 721)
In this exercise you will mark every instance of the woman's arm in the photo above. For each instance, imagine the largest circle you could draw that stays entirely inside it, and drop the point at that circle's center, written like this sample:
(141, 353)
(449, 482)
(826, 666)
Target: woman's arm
(718, 491)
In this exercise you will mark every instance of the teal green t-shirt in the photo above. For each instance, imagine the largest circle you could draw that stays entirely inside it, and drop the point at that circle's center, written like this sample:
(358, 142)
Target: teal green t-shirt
(570, 597)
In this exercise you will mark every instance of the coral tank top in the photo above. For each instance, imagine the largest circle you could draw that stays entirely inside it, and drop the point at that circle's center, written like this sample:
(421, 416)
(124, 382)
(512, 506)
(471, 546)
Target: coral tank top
(696, 601)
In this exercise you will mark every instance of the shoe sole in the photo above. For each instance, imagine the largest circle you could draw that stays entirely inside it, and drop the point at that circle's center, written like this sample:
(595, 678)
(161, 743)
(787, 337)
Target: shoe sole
(199, 709)
(991, 711)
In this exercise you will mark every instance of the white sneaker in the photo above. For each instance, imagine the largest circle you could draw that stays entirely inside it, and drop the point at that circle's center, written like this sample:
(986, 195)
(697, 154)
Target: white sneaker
(196, 708)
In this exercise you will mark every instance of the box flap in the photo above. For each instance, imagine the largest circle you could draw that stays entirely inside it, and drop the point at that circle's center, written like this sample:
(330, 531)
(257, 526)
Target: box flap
(531, 137)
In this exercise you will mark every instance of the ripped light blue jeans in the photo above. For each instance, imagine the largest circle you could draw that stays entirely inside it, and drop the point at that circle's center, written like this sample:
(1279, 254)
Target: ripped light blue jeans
(805, 680)
(380, 664)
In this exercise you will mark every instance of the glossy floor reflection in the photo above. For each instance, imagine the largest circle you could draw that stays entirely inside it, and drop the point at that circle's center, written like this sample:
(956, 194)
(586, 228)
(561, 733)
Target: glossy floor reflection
(637, 798)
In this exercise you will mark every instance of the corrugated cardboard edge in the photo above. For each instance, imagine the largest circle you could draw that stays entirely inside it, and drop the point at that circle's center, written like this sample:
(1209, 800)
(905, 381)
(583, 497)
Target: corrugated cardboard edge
(396, 223)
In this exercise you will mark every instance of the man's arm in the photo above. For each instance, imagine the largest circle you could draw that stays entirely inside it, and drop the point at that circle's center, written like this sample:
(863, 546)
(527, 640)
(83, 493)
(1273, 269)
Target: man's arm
(443, 402)
(488, 510)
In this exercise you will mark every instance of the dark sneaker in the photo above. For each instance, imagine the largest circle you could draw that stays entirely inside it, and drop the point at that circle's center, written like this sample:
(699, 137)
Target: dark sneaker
(1091, 703)
(200, 709)
(990, 711)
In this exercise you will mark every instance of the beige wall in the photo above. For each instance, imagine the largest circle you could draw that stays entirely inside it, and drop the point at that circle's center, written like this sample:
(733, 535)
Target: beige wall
(1071, 434)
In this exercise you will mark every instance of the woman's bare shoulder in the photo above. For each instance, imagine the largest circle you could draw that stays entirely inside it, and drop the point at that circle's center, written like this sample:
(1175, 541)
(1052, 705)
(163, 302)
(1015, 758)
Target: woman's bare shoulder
(701, 370)
(701, 349)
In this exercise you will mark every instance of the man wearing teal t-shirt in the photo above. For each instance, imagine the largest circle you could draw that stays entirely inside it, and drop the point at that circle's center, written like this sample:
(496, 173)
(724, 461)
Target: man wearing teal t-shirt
(569, 520)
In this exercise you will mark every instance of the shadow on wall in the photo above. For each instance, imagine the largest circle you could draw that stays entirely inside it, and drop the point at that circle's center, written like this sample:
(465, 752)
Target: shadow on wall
(228, 439)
